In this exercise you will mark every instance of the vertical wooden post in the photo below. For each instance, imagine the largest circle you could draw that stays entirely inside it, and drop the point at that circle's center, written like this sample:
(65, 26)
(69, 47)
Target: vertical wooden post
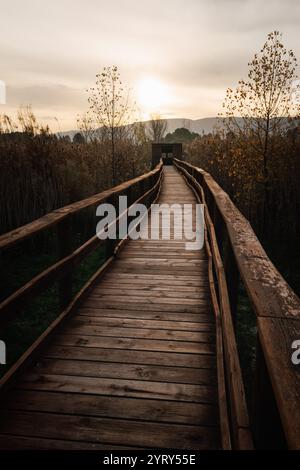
(141, 188)
(146, 188)
(129, 194)
(65, 242)
(232, 277)
(218, 224)
(266, 423)
(152, 183)
(110, 243)
(109, 248)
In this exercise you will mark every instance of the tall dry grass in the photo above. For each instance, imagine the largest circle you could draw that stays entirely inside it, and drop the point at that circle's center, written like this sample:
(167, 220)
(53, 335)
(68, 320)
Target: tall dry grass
(40, 172)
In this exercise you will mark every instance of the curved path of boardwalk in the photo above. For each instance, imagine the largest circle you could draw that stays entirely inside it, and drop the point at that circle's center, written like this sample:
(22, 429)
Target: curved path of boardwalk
(135, 366)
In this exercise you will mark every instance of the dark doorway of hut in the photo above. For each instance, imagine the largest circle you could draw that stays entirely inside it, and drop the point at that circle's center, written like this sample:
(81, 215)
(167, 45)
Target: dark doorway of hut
(167, 152)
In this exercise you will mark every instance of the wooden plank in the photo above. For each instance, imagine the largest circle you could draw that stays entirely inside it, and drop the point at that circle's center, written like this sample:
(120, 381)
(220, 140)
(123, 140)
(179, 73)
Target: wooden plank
(113, 407)
(157, 244)
(154, 307)
(160, 284)
(147, 315)
(134, 343)
(194, 271)
(187, 263)
(173, 263)
(80, 328)
(108, 431)
(119, 387)
(35, 443)
(116, 370)
(155, 254)
(138, 323)
(136, 299)
(148, 300)
(104, 291)
(146, 286)
(160, 247)
(133, 360)
(203, 361)
(189, 279)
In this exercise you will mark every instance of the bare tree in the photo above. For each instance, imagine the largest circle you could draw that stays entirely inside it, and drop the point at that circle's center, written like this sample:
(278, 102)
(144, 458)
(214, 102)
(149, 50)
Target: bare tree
(157, 128)
(86, 127)
(112, 109)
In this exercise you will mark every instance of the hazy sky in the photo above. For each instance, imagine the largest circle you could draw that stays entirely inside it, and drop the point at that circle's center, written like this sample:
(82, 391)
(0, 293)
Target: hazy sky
(189, 51)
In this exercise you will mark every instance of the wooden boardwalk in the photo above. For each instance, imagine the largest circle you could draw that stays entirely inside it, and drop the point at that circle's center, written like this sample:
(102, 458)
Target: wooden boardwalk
(145, 354)
(135, 366)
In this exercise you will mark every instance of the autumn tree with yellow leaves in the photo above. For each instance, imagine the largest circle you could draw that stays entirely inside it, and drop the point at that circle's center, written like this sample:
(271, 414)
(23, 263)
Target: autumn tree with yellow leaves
(254, 154)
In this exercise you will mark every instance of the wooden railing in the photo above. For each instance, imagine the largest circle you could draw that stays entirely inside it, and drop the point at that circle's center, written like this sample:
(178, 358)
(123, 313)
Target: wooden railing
(143, 189)
(275, 417)
(234, 421)
(234, 255)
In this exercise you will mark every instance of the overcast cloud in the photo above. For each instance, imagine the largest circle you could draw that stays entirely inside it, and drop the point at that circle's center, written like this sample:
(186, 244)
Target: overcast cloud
(50, 52)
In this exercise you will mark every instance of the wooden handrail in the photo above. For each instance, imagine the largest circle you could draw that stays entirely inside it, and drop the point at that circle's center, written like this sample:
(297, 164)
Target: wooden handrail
(277, 309)
(65, 265)
(236, 435)
(52, 218)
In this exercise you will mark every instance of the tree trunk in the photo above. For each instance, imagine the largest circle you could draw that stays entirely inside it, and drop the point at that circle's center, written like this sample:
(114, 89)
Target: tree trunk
(113, 170)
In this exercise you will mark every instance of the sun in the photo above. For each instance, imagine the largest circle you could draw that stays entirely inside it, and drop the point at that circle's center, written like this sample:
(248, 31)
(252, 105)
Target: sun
(152, 95)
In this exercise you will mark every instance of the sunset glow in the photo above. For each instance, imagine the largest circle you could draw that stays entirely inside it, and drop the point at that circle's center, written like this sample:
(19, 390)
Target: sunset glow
(152, 95)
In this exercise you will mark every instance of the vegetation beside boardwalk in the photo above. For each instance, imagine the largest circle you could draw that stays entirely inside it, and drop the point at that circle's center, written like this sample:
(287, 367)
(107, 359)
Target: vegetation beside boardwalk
(255, 157)
(41, 171)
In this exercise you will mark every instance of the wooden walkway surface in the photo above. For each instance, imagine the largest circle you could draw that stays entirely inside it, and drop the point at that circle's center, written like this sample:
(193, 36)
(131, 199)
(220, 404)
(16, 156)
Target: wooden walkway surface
(135, 367)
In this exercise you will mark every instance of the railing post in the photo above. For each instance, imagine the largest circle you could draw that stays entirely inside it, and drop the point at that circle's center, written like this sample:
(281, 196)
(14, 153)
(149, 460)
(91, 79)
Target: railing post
(232, 277)
(148, 187)
(110, 243)
(141, 188)
(129, 195)
(156, 178)
(218, 225)
(266, 423)
(65, 243)
(150, 183)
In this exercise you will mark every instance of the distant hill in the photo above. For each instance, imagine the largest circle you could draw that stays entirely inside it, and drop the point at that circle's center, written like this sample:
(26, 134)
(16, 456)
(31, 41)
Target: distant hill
(200, 126)
(204, 125)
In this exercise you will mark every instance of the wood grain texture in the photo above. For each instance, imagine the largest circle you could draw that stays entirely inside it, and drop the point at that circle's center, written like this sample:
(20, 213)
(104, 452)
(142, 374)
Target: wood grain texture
(135, 365)
(276, 338)
(105, 431)
(276, 305)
